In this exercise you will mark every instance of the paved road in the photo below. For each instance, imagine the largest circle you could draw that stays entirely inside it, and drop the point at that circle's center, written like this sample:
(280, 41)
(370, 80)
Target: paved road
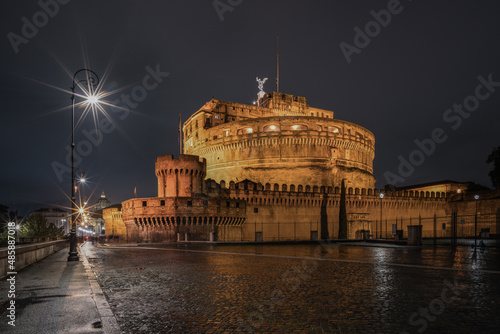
(299, 289)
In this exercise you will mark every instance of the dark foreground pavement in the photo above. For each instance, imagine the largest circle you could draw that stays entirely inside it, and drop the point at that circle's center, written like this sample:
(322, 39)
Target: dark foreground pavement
(57, 296)
(300, 289)
(340, 288)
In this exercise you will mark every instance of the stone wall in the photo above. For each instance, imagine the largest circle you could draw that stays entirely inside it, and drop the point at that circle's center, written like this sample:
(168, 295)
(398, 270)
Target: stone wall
(28, 254)
(114, 225)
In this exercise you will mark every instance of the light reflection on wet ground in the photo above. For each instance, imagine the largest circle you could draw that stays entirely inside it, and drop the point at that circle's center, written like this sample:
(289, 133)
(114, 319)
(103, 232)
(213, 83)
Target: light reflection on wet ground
(440, 256)
(283, 289)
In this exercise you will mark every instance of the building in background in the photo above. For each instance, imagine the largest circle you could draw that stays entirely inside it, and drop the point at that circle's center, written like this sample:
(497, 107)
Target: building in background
(56, 216)
(95, 220)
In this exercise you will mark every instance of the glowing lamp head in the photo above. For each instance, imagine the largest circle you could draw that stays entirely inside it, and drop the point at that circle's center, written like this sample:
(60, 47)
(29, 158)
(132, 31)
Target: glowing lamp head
(381, 195)
(92, 99)
(81, 210)
(459, 191)
(476, 196)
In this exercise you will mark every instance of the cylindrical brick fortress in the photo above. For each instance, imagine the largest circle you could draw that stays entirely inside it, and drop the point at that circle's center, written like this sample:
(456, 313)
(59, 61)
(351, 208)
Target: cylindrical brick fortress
(180, 178)
(285, 142)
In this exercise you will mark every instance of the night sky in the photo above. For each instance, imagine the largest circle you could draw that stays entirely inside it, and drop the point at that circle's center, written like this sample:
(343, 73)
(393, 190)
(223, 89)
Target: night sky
(400, 84)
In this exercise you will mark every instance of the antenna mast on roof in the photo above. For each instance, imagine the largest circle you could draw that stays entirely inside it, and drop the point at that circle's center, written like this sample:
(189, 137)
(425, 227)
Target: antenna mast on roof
(278, 63)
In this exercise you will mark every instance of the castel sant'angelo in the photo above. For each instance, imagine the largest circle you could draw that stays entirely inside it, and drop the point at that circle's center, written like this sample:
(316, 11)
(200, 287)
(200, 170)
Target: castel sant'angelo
(272, 171)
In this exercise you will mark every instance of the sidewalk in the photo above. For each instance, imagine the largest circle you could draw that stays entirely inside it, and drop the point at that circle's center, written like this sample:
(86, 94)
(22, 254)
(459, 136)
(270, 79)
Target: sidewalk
(57, 296)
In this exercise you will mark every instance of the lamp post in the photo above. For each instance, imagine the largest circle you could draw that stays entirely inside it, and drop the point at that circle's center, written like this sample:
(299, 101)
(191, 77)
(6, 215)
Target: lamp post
(476, 197)
(381, 197)
(92, 80)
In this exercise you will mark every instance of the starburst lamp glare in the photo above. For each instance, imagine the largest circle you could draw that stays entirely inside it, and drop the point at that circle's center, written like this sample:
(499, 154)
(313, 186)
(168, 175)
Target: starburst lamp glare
(92, 99)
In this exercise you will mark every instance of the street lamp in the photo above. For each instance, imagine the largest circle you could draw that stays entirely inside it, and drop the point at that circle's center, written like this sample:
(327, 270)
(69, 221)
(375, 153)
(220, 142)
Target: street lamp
(380, 235)
(18, 227)
(92, 80)
(476, 197)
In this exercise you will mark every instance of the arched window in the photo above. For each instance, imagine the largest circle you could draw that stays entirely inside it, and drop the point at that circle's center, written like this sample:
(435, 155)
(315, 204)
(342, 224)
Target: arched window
(333, 129)
(271, 128)
(244, 131)
(298, 127)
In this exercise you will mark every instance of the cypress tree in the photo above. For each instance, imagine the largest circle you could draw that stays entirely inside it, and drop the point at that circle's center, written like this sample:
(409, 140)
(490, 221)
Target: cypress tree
(342, 214)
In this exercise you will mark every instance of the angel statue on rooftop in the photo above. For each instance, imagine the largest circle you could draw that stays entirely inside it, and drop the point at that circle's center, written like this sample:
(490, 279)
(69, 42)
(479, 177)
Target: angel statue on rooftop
(261, 92)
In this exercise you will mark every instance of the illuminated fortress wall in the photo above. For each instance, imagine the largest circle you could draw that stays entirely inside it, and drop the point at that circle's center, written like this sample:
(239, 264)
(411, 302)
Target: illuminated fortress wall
(280, 141)
(272, 172)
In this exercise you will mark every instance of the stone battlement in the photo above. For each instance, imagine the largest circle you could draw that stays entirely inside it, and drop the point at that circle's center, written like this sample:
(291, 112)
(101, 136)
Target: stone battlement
(180, 177)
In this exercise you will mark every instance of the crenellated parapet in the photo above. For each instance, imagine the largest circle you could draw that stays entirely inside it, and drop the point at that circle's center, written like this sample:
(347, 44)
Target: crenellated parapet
(181, 211)
(180, 177)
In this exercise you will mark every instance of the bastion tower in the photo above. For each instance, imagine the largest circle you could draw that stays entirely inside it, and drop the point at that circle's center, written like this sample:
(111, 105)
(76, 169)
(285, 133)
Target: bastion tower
(280, 141)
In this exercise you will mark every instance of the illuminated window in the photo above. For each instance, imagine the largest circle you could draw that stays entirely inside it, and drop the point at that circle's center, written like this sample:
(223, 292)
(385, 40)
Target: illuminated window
(244, 131)
(271, 128)
(226, 133)
(333, 129)
(216, 116)
(298, 127)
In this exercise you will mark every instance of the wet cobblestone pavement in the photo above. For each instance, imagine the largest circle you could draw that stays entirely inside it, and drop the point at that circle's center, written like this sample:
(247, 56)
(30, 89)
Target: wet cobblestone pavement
(300, 289)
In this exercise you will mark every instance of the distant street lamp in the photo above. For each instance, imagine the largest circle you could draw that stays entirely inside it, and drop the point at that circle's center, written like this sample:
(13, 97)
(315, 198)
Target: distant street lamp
(18, 227)
(380, 233)
(476, 197)
(91, 80)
